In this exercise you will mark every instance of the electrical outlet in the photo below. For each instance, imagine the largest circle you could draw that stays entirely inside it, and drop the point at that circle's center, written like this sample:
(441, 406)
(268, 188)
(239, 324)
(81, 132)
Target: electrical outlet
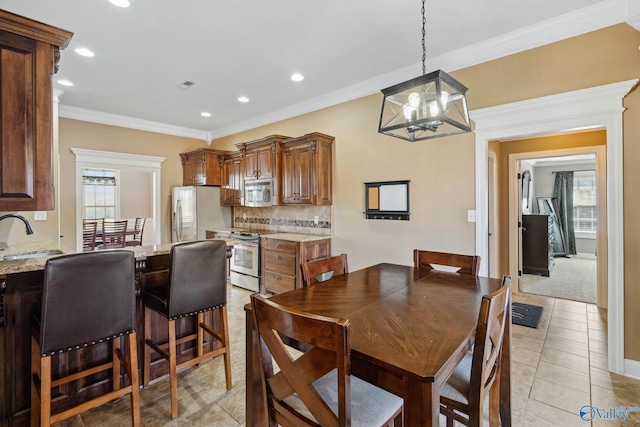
(315, 219)
(40, 215)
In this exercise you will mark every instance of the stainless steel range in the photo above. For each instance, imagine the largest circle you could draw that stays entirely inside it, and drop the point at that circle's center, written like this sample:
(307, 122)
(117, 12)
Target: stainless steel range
(245, 259)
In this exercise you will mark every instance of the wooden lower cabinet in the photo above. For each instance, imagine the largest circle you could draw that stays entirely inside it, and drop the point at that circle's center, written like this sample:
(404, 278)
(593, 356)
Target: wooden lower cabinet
(22, 298)
(281, 260)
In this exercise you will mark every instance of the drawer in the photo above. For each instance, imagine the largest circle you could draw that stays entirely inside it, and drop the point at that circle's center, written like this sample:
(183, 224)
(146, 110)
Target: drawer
(278, 283)
(279, 245)
(280, 262)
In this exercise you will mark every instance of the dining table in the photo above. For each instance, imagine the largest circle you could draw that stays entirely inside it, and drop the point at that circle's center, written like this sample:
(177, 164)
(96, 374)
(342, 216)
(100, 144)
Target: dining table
(409, 329)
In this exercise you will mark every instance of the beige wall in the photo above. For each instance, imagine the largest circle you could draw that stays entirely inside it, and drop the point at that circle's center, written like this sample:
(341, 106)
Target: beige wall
(442, 171)
(79, 134)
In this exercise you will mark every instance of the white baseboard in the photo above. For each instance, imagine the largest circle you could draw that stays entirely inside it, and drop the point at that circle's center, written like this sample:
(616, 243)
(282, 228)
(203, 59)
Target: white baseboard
(632, 368)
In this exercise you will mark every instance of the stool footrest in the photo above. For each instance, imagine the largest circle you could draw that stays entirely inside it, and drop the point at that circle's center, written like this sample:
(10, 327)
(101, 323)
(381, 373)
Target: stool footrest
(90, 404)
(200, 359)
(212, 332)
(80, 375)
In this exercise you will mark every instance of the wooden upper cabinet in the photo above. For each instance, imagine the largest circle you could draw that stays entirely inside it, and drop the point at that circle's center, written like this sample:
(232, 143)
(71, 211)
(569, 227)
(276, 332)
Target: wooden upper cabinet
(307, 170)
(261, 158)
(231, 191)
(202, 167)
(29, 52)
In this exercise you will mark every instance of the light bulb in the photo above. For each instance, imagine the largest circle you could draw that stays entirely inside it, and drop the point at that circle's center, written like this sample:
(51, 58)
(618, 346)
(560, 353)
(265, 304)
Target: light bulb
(410, 112)
(414, 99)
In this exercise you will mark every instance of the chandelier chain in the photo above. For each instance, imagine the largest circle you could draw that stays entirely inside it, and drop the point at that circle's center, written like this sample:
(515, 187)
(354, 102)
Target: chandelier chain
(424, 46)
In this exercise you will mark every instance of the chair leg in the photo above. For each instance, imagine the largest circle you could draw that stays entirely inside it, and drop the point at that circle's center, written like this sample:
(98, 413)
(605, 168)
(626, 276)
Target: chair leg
(45, 391)
(146, 364)
(200, 342)
(132, 349)
(35, 371)
(224, 325)
(115, 346)
(173, 379)
(494, 401)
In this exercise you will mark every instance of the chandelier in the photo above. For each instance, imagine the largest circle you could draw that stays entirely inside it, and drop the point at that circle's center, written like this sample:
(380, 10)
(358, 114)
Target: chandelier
(429, 106)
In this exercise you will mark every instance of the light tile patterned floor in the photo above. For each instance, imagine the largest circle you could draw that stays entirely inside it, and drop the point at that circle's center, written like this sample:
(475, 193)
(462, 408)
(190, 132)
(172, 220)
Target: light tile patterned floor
(557, 369)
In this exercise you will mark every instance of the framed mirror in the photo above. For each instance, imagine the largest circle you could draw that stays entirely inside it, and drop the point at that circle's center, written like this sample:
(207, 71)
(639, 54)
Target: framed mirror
(526, 192)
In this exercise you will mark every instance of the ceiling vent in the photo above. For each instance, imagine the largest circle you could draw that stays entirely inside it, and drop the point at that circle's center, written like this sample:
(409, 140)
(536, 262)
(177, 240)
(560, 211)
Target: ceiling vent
(185, 85)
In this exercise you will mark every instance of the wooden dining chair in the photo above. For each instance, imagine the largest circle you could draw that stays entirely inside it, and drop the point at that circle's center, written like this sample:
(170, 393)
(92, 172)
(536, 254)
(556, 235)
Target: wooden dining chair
(462, 396)
(323, 269)
(139, 229)
(467, 264)
(316, 388)
(114, 234)
(88, 236)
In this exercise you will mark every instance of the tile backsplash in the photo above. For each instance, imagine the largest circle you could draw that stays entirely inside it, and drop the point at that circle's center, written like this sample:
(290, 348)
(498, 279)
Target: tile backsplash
(293, 219)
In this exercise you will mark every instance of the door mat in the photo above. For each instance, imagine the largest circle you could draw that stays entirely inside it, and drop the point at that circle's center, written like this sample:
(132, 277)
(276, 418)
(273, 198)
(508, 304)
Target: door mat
(526, 314)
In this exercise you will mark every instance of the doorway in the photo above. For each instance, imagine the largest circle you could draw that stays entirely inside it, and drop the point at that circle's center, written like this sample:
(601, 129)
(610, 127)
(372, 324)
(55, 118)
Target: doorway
(559, 213)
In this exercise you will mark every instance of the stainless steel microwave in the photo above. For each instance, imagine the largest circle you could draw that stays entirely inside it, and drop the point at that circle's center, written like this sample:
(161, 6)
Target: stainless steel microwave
(258, 193)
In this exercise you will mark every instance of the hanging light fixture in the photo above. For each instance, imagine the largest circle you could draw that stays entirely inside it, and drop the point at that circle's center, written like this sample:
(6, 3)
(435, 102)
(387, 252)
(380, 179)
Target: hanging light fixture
(429, 106)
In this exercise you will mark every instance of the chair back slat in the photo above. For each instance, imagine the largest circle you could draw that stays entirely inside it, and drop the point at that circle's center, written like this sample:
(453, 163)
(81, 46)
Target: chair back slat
(331, 348)
(311, 269)
(467, 264)
(89, 235)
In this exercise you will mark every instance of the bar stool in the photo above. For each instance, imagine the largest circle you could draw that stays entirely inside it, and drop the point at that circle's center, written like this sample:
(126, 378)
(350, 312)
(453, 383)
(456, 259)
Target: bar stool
(88, 298)
(195, 283)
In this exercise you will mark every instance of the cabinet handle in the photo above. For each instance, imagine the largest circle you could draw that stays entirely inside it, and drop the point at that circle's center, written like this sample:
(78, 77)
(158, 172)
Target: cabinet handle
(278, 278)
(279, 257)
(278, 246)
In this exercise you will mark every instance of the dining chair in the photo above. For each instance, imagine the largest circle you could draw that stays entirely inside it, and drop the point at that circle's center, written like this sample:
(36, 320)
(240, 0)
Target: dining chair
(139, 229)
(196, 282)
(468, 264)
(322, 269)
(462, 396)
(88, 236)
(316, 388)
(81, 309)
(114, 234)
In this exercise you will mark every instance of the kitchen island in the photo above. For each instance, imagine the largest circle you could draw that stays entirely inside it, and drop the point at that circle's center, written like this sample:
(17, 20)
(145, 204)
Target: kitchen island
(21, 285)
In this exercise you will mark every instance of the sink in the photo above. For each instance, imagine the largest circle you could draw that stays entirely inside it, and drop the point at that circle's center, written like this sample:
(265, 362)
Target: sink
(33, 255)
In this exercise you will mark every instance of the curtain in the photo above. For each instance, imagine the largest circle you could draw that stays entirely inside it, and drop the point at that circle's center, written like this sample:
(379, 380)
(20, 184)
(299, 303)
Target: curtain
(563, 193)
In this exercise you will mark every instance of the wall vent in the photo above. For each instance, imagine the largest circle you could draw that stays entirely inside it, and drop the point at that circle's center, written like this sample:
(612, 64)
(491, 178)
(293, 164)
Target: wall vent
(185, 85)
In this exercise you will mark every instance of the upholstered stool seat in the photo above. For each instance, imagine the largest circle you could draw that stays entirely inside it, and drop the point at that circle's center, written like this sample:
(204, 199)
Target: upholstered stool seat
(196, 282)
(88, 298)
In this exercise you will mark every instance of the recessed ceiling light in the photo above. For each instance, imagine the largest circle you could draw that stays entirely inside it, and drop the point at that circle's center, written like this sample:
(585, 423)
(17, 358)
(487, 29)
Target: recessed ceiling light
(120, 3)
(65, 83)
(297, 77)
(84, 52)
(243, 99)
(205, 114)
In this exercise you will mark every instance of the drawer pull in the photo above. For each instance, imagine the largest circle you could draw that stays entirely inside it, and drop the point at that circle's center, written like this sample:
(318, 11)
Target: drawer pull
(278, 278)
(279, 257)
(278, 246)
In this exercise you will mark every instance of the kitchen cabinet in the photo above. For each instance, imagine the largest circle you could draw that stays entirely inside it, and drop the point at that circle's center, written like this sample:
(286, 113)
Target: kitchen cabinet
(281, 260)
(29, 53)
(202, 167)
(261, 158)
(307, 170)
(537, 244)
(231, 189)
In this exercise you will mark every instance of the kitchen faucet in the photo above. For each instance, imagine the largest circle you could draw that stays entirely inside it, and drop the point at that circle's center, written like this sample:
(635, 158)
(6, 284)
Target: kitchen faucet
(21, 218)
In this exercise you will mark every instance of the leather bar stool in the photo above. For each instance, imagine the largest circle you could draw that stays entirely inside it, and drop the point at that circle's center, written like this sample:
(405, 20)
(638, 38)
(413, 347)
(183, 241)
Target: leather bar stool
(88, 298)
(195, 283)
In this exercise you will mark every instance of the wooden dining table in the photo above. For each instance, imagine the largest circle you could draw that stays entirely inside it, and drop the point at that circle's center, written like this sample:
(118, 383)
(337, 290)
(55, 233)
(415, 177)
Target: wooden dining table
(409, 330)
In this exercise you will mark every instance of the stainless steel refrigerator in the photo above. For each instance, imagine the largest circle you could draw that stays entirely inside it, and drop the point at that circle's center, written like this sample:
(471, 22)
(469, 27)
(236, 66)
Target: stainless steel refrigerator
(197, 209)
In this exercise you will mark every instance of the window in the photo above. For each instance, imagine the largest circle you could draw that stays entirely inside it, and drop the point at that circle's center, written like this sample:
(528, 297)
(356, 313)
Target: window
(99, 193)
(584, 202)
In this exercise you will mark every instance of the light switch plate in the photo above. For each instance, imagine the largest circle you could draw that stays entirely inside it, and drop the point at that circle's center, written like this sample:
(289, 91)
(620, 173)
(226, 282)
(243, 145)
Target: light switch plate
(315, 219)
(40, 215)
(471, 215)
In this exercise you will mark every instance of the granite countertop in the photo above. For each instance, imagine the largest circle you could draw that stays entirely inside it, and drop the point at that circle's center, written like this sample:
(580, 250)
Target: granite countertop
(296, 237)
(35, 264)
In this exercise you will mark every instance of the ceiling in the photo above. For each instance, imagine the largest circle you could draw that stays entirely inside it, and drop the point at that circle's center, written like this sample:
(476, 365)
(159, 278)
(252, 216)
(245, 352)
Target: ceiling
(251, 48)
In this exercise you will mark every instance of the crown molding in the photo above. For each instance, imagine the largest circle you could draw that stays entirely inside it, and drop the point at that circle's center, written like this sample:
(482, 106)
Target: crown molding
(93, 116)
(581, 21)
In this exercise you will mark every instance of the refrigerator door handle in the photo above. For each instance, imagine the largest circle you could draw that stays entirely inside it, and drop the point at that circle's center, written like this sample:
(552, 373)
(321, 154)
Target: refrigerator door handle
(179, 221)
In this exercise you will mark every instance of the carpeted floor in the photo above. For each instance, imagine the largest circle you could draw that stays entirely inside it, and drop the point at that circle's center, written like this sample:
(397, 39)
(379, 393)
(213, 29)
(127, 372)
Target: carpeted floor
(570, 278)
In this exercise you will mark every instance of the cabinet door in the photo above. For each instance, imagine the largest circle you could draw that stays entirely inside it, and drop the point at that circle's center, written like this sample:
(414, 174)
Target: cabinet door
(264, 161)
(303, 160)
(250, 164)
(236, 173)
(231, 182)
(289, 187)
(26, 180)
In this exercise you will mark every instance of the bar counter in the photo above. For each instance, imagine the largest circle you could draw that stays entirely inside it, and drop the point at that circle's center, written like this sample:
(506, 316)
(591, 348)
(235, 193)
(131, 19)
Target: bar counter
(21, 285)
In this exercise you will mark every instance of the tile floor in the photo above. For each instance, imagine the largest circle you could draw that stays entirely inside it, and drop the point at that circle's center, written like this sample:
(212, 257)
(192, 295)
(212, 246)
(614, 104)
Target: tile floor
(557, 369)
